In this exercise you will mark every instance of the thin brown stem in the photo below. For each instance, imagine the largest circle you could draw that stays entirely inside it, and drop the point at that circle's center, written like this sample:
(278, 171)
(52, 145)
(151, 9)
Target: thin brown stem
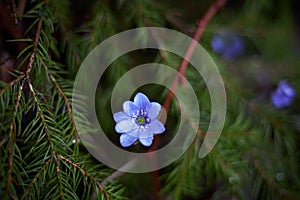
(21, 7)
(12, 130)
(58, 176)
(47, 133)
(202, 23)
(53, 80)
(35, 44)
(12, 136)
(40, 113)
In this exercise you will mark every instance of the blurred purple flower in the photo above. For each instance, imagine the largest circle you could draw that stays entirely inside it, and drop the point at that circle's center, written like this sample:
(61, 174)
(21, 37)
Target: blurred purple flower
(228, 45)
(284, 95)
(138, 121)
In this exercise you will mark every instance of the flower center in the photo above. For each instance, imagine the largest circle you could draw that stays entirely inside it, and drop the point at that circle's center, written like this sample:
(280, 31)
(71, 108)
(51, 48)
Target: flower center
(141, 118)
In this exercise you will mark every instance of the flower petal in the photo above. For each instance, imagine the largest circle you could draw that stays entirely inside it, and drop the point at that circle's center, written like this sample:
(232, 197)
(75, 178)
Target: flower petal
(146, 141)
(141, 101)
(145, 133)
(129, 108)
(286, 88)
(156, 127)
(154, 110)
(134, 132)
(125, 126)
(120, 116)
(127, 140)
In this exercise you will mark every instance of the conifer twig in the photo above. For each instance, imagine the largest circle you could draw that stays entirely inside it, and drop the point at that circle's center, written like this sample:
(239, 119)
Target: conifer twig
(39, 109)
(85, 173)
(35, 44)
(47, 133)
(10, 84)
(270, 182)
(12, 137)
(36, 177)
(64, 97)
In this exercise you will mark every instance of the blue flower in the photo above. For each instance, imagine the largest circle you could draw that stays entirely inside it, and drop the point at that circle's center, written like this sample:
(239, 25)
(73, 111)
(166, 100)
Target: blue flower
(284, 95)
(138, 121)
(228, 45)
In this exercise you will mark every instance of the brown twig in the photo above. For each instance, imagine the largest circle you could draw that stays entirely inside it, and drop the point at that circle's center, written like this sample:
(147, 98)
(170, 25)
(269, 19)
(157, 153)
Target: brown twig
(21, 7)
(39, 109)
(35, 44)
(85, 173)
(12, 137)
(40, 113)
(13, 125)
(202, 23)
(58, 176)
(65, 98)
(47, 133)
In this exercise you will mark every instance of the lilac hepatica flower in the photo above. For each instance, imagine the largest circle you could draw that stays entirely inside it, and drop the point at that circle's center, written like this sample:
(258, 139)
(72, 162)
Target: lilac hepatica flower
(138, 121)
(284, 95)
(228, 45)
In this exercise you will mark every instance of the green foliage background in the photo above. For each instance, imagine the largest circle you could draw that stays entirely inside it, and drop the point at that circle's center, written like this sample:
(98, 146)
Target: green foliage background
(256, 157)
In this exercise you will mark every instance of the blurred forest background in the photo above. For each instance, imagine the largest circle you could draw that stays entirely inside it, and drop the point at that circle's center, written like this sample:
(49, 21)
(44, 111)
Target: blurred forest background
(256, 46)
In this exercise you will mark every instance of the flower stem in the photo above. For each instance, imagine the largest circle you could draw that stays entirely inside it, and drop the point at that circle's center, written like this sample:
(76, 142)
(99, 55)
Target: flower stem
(201, 25)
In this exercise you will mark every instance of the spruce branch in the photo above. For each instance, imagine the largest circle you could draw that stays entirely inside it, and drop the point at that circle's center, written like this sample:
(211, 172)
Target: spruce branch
(85, 173)
(183, 171)
(64, 97)
(47, 133)
(12, 83)
(58, 176)
(35, 45)
(36, 178)
(12, 139)
(264, 175)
